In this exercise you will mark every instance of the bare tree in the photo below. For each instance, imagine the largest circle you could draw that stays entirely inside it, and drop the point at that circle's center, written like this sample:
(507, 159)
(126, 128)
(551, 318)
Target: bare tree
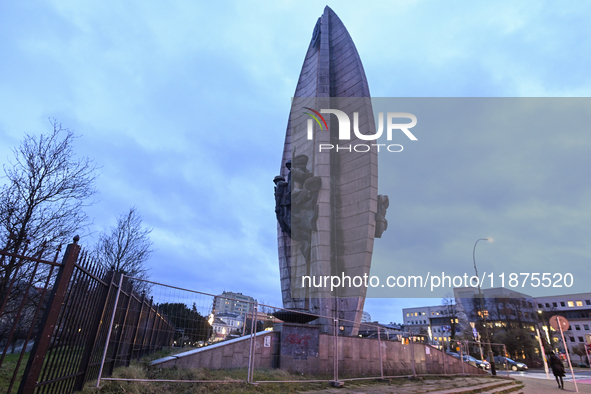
(450, 308)
(579, 350)
(41, 202)
(126, 247)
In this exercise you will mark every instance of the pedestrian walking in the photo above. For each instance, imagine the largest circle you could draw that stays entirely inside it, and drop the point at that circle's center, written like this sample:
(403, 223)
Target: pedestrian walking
(557, 369)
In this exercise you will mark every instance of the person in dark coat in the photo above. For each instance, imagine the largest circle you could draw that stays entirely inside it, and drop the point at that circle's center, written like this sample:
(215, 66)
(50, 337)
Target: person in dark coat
(557, 369)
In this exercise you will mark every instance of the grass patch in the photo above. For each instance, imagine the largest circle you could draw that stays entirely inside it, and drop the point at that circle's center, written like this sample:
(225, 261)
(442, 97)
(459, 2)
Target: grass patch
(7, 371)
(141, 371)
(138, 371)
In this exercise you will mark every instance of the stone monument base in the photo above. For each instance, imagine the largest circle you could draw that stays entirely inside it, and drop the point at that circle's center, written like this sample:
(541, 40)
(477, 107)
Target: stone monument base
(302, 349)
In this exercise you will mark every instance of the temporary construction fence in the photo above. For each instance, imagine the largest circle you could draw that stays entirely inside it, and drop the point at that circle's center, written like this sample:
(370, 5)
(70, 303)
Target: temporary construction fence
(198, 320)
(66, 321)
(231, 331)
(470, 351)
(53, 320)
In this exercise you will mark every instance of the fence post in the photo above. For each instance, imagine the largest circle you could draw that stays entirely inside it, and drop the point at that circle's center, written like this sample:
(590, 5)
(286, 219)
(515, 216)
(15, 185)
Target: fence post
(120, 333)
(336, 349)
(380, 351)
(250, 345)
(444, 355)
(98, 380)
(461, 358)
(37, 356)
(412, 354)
(506, 363)
(254, 339)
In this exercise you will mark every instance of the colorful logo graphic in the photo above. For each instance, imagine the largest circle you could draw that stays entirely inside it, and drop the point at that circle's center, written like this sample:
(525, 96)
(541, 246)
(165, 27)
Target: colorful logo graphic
(316, 118)
(386, 123)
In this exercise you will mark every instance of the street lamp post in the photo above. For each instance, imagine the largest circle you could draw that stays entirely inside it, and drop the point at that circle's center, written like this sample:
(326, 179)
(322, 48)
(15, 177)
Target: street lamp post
(493, 368)
(545, 328)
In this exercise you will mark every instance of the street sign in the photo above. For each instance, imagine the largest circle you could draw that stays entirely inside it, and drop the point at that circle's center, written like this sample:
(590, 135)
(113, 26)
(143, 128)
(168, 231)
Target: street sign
(560, 323)
(557, 322)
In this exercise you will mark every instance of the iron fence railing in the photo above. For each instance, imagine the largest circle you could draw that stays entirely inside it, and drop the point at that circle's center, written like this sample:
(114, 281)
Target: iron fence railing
(54, 321)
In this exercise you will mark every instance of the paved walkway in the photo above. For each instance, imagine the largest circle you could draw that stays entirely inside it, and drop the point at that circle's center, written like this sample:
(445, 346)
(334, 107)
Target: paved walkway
(405, 386)
(544, 386)
(532, 385)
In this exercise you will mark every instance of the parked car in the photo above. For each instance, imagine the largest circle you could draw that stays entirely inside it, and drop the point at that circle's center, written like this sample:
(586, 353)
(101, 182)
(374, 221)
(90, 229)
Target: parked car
(502, 362)
(484, 365)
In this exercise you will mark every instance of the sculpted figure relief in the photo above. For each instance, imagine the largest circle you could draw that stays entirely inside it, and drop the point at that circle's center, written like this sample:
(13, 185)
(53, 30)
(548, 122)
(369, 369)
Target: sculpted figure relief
(283, 204)
(296, 202)
(381, 222)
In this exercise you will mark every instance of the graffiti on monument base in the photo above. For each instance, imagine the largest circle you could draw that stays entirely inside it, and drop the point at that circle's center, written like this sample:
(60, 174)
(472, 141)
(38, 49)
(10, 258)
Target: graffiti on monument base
(300, 344)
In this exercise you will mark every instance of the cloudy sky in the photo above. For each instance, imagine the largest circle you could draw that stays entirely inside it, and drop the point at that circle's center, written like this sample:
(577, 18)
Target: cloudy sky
(184, 106)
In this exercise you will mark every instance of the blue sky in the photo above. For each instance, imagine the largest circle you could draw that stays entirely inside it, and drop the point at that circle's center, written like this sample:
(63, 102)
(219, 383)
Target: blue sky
(184, 104)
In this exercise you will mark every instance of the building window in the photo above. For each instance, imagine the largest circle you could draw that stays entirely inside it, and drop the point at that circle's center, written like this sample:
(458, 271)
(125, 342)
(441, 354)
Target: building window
(586, 327)
(432, 313)
(581, 339)
(570, 304)
(562, 303)
(579, 303)
(555, 305)
(588, 302)
(540, 306)
(424, 313)
(407, 314)
(572, 339)
(577, 327)
(547, 305)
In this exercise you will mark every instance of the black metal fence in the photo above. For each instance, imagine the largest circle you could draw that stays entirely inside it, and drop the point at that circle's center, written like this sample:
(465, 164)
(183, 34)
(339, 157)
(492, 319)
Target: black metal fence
(54, 319)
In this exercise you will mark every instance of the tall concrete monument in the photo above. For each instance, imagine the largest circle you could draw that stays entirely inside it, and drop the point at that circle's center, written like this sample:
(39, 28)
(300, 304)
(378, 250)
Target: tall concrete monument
(327, 204)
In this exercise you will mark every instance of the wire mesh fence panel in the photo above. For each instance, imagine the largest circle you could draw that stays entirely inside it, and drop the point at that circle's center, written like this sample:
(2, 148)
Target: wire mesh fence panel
(364, 353)
(175, 333)
(291, 340)
(183, 335)
(479, 357)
